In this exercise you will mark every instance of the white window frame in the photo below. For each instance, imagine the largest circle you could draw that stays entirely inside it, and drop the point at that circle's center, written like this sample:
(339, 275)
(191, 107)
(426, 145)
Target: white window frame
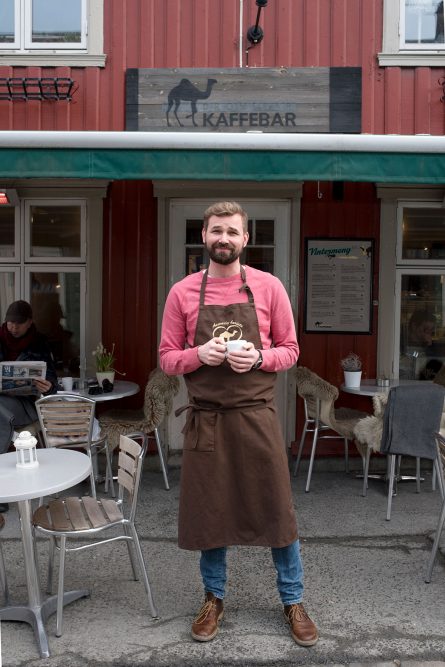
(16, 256)
(17, 282)
(81, 203)
(26, 27)
(89, 52)
(393, 197)
(400, 272)
(394, 54)
(427, 263)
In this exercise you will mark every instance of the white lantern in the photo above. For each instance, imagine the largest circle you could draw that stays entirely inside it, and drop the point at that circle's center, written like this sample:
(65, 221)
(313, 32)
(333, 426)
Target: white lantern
(25, 445)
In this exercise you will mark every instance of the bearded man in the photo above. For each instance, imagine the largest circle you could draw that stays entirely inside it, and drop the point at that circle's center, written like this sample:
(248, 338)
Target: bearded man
(235, 487)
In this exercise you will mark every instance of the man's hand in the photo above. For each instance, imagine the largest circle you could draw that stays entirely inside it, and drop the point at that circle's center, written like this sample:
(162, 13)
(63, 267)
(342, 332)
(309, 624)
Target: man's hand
(213, 352)
(242, 361)
(43, 385)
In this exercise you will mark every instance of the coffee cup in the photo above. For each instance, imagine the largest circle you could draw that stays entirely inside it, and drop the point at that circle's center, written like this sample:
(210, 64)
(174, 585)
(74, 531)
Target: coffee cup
(233, 345)
(67, 384)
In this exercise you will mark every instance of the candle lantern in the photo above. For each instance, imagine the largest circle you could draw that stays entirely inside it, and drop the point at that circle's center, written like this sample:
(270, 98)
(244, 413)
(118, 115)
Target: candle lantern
(25, 445)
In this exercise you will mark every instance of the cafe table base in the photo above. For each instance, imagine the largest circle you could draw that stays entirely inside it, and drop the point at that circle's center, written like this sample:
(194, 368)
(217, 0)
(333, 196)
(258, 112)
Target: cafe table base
(38, 609)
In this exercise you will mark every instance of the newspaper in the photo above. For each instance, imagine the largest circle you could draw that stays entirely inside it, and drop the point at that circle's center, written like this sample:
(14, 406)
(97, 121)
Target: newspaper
(16, 377)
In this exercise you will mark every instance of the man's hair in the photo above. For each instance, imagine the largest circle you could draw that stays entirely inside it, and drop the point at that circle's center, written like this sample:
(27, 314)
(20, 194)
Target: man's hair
(224, 209)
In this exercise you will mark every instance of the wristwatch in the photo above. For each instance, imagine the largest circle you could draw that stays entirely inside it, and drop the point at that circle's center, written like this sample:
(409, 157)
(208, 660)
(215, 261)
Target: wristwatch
(258, 362)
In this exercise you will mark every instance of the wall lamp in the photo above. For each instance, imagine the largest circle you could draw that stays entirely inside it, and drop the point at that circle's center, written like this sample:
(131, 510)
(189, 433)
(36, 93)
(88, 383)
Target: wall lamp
(255, 33)
(8, 197)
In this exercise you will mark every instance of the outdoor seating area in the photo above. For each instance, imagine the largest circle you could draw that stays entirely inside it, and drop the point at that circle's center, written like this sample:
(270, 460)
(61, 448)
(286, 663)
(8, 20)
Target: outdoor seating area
(340, 531)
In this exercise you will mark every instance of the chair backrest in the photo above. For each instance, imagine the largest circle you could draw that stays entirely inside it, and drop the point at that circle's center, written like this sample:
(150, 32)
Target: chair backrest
(65, 420)
(158, 398)
(313, 388)
(411, 418)
(131, 458)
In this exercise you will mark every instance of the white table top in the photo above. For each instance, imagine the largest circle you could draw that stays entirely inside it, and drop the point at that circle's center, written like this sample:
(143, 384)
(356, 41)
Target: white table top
(58, 469)
(121, 389)
(370, 388)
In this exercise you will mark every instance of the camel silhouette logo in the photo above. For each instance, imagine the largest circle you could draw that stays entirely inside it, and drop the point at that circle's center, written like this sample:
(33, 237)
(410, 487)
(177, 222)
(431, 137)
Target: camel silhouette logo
(186, 91)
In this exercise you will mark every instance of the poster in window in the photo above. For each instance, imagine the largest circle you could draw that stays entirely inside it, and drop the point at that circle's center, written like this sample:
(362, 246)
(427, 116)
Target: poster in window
(338, 285)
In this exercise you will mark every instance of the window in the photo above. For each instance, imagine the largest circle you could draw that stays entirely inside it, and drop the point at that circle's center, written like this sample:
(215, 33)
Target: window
(413, 33)
(53, 31)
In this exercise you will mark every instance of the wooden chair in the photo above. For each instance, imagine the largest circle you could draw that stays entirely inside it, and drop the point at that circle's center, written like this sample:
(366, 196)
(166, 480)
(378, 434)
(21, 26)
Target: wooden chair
(67, 421)
(3, 580)
(72, 518)
(320, 415)
(158, 398)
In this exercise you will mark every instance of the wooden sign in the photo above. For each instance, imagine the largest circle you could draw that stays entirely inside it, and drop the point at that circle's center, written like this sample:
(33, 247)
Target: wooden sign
(306, 99)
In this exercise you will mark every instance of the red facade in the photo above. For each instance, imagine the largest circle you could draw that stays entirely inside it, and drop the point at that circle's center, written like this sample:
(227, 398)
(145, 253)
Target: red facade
(206, 33)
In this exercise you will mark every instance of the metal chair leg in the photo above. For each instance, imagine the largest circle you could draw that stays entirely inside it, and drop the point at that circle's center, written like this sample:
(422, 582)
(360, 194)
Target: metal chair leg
(3, 579)
(435, 545)
(346, 455)
(300, 448)
(417, 474)
(366, 470)
(49, 580)
(161, 459)
(59, 618)
(143, 569)
(311, 462)
(109, 471)
(390, 485)
(127, 532)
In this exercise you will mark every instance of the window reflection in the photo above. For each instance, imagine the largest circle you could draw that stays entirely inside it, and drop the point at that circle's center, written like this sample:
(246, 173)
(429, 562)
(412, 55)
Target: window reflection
(422, 326)
(424, 22)
(55, 301)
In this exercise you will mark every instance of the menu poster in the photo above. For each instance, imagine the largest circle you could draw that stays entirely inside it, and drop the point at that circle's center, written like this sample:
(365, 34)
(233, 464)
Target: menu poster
(338, 285)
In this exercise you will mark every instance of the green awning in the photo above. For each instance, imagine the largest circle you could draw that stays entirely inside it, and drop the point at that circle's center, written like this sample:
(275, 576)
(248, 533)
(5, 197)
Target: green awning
(234, 165)
(218, 156)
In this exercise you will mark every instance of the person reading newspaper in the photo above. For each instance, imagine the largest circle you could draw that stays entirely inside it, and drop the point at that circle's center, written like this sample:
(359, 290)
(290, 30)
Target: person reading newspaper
(20, 341)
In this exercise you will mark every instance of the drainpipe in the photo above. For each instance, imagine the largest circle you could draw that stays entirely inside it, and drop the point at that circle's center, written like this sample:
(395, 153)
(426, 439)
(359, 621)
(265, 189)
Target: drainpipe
(241, 34)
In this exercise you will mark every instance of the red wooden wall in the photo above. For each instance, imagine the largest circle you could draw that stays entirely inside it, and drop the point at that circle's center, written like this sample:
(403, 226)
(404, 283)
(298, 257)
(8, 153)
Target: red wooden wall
(205, 33)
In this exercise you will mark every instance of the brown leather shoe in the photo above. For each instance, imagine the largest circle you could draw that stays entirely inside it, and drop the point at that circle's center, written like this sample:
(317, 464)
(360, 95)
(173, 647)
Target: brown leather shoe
(205, 625)
(302, 628)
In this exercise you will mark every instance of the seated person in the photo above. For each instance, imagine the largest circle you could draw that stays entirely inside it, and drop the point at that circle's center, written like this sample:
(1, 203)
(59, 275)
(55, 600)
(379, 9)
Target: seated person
(20, 341)
(421, 356)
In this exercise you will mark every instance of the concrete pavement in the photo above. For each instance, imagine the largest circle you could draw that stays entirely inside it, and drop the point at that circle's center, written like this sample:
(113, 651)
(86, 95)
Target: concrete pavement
(364, 581)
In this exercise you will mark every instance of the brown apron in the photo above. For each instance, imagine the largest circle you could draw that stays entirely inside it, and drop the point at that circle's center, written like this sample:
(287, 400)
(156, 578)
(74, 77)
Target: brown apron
(235, 486)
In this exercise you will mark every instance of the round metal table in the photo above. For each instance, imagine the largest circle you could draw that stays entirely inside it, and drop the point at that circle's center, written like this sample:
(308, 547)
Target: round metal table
(58, 469)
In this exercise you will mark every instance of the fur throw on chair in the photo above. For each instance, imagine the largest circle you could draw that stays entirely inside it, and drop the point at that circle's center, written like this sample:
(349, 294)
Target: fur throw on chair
(158, 400)
(312, 387)
(369, 430)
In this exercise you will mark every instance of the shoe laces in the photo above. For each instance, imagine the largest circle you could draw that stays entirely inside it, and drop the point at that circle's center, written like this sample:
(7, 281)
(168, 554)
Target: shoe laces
(297, 613)
(205, 611)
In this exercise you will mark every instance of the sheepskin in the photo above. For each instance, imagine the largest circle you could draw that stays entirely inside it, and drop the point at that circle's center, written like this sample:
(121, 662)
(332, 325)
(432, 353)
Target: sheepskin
(368, 431)
(311, 387)
(158, 400)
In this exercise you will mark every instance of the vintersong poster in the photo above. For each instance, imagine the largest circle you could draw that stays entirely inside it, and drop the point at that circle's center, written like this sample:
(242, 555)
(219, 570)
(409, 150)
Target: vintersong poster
(338, 282)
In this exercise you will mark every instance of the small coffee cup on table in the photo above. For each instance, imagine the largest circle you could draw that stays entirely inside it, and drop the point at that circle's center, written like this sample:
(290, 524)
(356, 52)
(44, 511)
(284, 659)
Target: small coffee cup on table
(67, 383)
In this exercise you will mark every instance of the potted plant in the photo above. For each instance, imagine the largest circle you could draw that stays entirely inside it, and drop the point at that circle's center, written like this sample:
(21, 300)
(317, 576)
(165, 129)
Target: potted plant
(104, 363)
(352, 367)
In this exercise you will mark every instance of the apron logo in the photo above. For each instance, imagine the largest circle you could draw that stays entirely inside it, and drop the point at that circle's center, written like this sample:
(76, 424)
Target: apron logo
(228, 330)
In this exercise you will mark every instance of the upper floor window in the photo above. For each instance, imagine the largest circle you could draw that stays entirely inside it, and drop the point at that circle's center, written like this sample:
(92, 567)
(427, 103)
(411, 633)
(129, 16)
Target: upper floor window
(422, 24)
(413, 33)
(43, 24)
(53, 32)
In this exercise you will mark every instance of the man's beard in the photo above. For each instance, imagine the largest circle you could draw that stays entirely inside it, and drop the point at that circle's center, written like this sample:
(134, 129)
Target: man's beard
(223, 258)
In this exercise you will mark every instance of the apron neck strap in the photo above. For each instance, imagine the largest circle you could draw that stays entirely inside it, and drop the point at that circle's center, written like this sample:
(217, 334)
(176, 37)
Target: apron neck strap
(244, 286)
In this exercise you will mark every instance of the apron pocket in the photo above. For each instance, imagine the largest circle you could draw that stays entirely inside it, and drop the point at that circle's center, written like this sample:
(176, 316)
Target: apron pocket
(199, 431)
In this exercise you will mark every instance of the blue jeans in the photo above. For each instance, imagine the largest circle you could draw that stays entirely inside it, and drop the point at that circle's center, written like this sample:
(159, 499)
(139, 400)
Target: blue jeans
(287, 563)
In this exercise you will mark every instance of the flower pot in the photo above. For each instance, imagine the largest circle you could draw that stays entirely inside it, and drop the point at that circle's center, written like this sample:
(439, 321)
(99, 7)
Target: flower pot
(352, 378)
(105, 375)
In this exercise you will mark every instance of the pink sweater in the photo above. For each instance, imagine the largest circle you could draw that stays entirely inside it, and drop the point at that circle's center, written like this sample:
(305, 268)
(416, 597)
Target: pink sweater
(177, 352)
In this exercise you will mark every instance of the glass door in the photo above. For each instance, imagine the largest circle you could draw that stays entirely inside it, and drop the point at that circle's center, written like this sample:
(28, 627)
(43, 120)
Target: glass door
(268, 249)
